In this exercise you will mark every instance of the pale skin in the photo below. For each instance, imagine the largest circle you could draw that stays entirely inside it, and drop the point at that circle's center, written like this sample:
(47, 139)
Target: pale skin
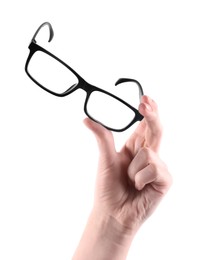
(129, 186)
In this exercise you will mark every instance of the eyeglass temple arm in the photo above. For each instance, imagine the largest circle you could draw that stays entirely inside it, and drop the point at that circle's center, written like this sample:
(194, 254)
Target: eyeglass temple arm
(122, 80)
(50, 29)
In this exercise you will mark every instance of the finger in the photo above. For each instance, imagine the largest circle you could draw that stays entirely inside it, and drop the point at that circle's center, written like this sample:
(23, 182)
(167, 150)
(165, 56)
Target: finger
(148, 108)
(135, 141)
(147, 168)
(139, 162)
(156, 174)
(145, 176)
(104, 138)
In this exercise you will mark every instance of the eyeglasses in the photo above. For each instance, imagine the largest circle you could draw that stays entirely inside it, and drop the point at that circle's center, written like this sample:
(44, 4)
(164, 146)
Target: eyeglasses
(56, 77)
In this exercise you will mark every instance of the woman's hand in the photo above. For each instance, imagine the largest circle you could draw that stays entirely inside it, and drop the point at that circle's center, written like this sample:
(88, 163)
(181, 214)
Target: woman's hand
(130, 183)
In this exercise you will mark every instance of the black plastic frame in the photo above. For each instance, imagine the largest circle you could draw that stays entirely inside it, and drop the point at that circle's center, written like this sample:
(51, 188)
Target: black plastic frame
(82, 84)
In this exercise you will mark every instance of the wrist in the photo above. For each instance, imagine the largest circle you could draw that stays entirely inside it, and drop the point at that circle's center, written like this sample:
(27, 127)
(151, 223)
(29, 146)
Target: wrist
(108, 228)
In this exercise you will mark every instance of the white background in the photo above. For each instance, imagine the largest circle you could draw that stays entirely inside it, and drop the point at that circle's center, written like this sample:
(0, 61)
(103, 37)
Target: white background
(48, 158)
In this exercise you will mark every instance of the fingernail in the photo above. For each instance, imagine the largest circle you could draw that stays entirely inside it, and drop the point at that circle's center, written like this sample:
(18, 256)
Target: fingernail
(148, 107)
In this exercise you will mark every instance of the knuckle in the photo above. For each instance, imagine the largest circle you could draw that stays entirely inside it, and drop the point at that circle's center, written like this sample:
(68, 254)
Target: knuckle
(161, 174)
(146, 153)
(157, 130)
(154, 169)
(169, 177)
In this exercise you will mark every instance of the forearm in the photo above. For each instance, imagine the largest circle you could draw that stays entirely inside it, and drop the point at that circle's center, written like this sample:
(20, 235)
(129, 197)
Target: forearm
(104, 239)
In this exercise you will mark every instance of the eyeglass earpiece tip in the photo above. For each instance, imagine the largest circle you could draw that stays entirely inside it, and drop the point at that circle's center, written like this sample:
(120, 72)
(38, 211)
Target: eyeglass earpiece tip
(119, 81)
(50, 30)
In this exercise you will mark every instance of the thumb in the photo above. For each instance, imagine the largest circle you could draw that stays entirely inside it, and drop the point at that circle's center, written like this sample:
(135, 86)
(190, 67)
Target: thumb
(104, 139)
